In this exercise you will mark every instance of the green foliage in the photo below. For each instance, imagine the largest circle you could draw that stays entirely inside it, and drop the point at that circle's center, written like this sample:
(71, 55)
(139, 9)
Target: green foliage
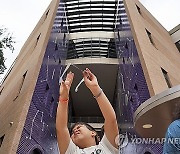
(6, 42)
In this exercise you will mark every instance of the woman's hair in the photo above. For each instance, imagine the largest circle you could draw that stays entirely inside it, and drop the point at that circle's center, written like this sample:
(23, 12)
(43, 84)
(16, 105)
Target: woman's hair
(176, 113)
(97, 138)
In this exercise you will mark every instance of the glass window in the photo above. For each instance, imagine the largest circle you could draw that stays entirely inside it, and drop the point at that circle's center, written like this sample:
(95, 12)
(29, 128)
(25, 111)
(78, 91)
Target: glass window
(1, 140)
(166, 77)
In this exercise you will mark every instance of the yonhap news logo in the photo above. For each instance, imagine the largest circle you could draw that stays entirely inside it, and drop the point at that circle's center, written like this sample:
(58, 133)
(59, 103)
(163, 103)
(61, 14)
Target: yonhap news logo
(122, 140)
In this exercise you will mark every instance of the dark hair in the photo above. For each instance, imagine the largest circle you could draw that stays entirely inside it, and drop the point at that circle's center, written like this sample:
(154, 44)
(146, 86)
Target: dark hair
(176, 113)
(97, 138)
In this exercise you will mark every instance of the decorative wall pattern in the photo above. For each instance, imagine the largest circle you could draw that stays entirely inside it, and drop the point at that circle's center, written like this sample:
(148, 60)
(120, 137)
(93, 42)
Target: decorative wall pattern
(39, 132)
(132, 89)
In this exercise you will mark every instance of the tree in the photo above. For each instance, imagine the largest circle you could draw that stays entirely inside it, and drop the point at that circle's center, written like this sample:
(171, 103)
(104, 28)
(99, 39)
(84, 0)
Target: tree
(6, 42)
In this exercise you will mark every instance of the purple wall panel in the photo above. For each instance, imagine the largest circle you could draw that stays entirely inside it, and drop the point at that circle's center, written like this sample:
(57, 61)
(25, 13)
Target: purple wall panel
(142, 148)
(27, 145)
(40, 122)
(39, 130)
(132, 87)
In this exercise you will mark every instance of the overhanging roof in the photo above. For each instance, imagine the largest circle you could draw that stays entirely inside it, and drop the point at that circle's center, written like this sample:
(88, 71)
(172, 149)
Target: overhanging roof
(90, 15)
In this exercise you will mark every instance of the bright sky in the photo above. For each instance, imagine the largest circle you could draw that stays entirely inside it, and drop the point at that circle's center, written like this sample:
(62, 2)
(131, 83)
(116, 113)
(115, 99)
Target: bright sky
(21, 16)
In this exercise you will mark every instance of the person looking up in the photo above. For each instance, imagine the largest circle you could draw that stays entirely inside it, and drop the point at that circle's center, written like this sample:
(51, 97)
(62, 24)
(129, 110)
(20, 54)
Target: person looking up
(83, 138)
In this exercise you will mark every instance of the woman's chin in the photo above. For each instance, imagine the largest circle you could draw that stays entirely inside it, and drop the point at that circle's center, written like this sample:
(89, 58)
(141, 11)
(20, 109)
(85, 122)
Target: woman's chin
(78, 139)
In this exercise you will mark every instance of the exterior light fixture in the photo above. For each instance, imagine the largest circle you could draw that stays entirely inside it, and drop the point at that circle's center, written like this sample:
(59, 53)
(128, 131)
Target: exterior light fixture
(147, 126)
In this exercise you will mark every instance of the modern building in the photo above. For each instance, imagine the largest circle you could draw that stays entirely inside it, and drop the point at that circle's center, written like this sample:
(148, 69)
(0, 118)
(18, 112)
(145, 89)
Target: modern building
(132, 55)
(175, 34)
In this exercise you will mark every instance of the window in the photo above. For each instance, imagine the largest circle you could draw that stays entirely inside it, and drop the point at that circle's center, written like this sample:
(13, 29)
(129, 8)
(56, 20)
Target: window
(37, 40)
(47, 13)
(166, 77)
(178, 45)
(1, 90)
(139, 10)
(24, 76)
(150, 37)
(1, 140)
(20, 85)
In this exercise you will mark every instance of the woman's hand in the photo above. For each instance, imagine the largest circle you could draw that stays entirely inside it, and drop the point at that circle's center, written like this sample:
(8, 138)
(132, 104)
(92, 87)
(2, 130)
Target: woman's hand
(91, 81)
(66, 85)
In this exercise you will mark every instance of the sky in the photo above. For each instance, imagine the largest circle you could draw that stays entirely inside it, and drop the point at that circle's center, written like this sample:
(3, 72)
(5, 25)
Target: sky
(21, 16)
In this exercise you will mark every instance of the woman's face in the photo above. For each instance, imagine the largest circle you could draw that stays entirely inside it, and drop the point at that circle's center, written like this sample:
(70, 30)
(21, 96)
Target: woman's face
(81, 134)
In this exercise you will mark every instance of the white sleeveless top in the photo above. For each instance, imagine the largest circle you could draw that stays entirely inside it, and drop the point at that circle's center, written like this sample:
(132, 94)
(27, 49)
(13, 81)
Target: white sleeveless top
(104, 147)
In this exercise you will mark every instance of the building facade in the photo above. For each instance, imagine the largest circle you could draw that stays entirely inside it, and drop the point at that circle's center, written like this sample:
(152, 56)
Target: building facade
(175, 34)
(132, 55)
